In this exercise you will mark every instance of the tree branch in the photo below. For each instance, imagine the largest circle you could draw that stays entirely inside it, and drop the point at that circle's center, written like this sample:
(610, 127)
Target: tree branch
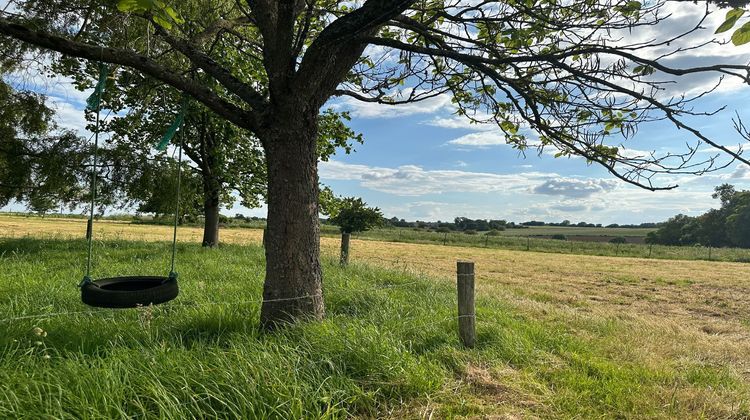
(213, 69)
(47, 41)
(319, 72)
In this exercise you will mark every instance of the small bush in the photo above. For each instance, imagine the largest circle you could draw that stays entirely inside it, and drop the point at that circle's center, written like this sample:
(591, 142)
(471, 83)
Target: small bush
(560, 237)
(470, 232)
(618, 240)
(494, 232)
(442, 230)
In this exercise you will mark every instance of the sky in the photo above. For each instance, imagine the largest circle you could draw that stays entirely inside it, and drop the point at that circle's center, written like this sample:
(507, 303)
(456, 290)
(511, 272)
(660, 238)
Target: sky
(423, 162)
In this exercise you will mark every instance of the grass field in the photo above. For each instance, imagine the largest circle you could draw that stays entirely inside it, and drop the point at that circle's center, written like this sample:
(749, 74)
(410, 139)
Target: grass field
(560, 336)
(591, 246)
(72, 228)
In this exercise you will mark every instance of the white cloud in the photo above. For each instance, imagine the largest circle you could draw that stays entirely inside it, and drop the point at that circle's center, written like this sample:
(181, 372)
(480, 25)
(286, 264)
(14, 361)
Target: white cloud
(741, 172)
(361, 109)
(411, 180)
(480, 139)
(69, 116)
(573, 187)
(461, 122)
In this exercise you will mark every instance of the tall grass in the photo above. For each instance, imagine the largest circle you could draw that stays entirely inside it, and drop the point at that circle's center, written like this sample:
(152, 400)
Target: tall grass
(387, 348)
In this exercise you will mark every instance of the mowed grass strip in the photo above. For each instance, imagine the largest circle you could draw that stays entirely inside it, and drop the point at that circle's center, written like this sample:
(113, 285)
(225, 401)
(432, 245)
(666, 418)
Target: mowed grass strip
(388, 347)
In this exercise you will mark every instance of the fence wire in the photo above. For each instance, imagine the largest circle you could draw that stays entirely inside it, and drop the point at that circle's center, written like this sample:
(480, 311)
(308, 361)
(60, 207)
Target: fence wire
(427, 288)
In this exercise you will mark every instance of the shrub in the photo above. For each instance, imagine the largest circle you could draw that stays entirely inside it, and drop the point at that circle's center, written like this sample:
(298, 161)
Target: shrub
(470, 232)
(560, 237)
(495, 232)
(618, 240)
(442, 230)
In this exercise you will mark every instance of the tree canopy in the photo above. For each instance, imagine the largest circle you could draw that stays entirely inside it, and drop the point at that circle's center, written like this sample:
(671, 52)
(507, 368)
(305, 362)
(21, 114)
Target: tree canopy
(727, 226)
(351, 214)
(39, 164)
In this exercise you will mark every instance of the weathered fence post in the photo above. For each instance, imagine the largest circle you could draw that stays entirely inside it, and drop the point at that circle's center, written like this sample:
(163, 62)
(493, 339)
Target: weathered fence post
(528, 240)
(709, 252)
(345, 248)
(445, 238)
(263, 241)
(466, 314)
(89, 228)
(486, 239)
(617, 252)
(650, 248)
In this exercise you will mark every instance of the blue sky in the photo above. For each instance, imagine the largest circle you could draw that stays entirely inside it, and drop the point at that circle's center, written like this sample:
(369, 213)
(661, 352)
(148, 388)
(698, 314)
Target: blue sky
(421, 161)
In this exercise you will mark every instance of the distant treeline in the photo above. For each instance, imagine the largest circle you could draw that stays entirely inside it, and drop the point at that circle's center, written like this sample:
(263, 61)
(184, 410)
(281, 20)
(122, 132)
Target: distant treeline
(727, 226)
(481, 225)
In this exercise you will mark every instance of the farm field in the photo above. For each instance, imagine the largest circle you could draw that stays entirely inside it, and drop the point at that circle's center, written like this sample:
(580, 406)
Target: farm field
(73, 228)
(560, 336)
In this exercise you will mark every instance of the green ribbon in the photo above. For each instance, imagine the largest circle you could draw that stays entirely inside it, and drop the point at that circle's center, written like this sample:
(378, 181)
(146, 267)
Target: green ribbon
(93, 101)
(174, 127)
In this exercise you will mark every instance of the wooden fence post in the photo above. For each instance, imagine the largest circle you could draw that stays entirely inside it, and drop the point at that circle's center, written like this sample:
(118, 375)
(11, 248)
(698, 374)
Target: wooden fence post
(345, 248)
(650, 247)
(709, 252)
(486, 239)
(528, 240)
(466, 314)
(89, 228)
(263, 241)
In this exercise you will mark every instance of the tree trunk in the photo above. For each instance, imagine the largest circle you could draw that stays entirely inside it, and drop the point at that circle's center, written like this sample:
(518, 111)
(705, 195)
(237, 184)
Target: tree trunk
(293, 288)
(211, 208)
(345, 236)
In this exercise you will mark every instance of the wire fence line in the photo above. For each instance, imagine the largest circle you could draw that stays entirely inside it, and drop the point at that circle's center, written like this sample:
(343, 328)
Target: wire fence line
(384, 287)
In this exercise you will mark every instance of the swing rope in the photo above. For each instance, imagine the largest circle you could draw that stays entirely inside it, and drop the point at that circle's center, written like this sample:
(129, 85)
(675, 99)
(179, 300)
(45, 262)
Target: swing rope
(172, 273)
(166, 139)
(94, 102)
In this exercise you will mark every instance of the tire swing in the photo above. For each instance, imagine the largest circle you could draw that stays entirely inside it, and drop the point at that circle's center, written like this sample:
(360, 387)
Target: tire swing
(129, 291)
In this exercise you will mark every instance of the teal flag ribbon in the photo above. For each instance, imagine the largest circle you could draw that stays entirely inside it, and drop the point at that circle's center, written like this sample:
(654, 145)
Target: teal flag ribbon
(174, 127)
(93, 101)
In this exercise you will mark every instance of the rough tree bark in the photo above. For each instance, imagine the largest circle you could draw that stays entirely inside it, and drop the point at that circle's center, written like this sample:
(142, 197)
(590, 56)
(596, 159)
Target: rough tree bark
(293, 287)
(211, 207)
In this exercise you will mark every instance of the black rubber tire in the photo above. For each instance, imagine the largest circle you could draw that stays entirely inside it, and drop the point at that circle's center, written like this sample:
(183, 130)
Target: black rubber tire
(129, 291)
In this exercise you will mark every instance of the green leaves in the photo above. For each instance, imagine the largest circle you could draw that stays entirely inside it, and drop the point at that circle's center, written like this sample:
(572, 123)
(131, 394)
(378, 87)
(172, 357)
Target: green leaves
(162, 14)
(509, 127)
(731, 18)
(629, 9)
(740, 36)
(644, 70)
(352, 215)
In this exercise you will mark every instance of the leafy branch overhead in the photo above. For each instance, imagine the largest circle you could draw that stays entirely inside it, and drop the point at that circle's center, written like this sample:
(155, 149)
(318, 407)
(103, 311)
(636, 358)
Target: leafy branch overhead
(546, 71)
(741, 35)
(162, 14)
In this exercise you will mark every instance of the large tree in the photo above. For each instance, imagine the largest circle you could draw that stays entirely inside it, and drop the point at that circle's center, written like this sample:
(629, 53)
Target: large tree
(563, 71)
